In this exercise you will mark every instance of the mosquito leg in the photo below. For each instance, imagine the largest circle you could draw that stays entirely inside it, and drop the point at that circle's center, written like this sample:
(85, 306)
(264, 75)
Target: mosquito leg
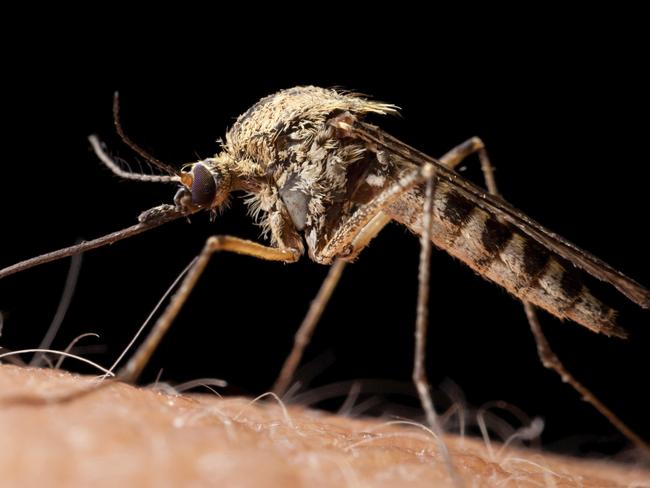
(546, 355)
(551, 361)
(308, 325)
(422, 313)
(351, 238)
(456, 155)
(345, 243)
(362, 227)
(421, 324)
(450, 159)
(214, 244)
(305, 331)
(342, 244)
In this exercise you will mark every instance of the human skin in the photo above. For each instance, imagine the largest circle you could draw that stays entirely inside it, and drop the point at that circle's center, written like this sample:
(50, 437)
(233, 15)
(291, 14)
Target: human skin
(119, 435)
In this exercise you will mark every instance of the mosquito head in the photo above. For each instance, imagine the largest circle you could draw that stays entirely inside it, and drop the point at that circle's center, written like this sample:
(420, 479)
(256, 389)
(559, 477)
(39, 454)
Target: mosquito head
(205, 184)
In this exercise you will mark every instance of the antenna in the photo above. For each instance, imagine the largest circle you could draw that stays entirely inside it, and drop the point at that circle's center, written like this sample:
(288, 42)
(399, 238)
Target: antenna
(137, 149)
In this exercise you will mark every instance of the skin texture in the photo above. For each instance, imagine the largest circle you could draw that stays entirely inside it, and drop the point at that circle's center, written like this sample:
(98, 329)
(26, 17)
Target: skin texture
(125, 436)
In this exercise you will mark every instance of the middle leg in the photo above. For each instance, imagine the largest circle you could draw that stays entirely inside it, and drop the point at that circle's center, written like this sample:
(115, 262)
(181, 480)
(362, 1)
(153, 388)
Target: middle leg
(303, 335)
(349, 240)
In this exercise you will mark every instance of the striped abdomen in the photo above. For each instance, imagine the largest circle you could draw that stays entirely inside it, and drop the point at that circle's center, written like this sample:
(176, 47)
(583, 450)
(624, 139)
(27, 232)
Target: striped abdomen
(502, 254)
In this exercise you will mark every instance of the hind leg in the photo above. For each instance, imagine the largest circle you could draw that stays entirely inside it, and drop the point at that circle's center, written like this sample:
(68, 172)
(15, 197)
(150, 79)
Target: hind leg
(546, 355)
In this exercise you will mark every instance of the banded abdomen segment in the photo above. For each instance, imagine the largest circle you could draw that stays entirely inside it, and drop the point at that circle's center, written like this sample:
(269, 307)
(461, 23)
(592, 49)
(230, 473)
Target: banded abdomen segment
(509, 258)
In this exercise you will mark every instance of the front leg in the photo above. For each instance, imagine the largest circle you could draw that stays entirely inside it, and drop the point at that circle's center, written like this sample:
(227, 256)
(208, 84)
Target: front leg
(214, 244)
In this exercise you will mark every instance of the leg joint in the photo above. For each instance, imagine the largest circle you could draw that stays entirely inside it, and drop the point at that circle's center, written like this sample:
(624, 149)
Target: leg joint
(215, 243)
(477, 143)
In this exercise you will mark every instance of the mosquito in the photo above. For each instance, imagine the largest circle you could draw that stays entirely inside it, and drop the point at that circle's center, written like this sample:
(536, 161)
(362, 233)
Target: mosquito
(321, 180)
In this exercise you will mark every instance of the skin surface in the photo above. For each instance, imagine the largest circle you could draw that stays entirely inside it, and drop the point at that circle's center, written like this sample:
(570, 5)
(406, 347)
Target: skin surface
(125, 436)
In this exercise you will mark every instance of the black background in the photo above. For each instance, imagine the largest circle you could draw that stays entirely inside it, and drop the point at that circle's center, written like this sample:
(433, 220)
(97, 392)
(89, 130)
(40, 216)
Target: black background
(562, 108)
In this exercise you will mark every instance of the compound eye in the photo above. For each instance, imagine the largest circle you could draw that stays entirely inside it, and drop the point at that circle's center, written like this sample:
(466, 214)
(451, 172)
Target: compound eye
(204, 188)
